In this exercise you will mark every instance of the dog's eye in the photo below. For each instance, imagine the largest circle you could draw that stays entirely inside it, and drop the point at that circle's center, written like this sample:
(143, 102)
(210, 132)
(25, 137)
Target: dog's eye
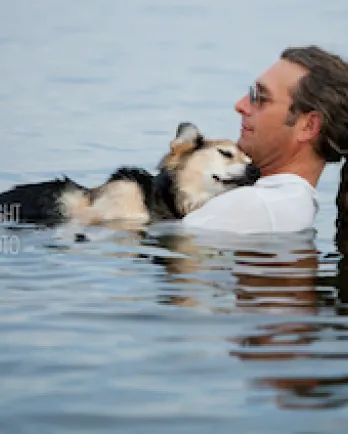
(226, 154)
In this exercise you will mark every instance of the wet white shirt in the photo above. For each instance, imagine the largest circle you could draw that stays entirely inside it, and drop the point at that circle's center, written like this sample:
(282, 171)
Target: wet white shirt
(275, 203)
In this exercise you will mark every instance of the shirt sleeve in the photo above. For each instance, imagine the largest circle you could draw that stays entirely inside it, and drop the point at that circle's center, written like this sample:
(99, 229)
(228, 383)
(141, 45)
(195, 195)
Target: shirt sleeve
(241, 210)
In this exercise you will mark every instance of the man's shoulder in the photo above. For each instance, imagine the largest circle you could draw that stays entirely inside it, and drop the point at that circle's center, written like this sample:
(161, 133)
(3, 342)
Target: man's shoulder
(275, 190)
(238, 198)
(285, 186)
(277, 204)
(283, 179)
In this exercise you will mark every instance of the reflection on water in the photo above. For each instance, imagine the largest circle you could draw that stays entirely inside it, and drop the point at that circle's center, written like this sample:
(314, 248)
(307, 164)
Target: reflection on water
(280, 277)
(308, 393)
(200, 321)
(282, 281)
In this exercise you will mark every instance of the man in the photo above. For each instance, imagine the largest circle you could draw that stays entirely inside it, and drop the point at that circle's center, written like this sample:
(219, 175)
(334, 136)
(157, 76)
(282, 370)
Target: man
(294, 121)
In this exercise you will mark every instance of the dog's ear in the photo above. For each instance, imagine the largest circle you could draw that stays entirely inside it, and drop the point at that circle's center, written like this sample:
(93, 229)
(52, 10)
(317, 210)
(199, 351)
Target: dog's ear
(187, 138)
(187, 132)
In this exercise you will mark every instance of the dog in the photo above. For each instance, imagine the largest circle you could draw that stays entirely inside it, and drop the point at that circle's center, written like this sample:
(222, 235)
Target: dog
(192, 172)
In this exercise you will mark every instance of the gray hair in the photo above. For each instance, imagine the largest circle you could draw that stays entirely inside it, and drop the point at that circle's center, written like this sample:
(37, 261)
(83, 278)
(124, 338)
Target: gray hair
(324, 90)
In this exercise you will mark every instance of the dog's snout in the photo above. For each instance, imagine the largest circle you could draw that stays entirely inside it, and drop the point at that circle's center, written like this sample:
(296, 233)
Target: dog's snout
(252, 173)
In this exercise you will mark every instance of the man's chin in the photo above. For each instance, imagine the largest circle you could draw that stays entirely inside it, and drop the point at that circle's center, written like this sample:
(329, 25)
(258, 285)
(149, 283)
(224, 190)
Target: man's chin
(243, 146)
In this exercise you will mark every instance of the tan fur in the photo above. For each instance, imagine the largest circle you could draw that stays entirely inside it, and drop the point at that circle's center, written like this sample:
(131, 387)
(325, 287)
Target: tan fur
(75, 204)
(116, 200)
(195, 185)
(194, 164)
(120, 200)
(239, 156)
(178, 149)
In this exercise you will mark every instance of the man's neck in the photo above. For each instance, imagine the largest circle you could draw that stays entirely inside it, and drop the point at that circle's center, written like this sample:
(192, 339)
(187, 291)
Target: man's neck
(309, 167)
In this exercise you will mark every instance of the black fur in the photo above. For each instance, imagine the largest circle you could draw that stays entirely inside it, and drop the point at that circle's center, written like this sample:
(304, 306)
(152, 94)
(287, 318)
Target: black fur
(158, 191)
(38, 203)
(140, 176)
(163, 197)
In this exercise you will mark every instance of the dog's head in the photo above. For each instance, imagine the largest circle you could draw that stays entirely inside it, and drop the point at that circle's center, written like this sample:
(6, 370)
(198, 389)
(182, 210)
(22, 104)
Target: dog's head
(201, 169)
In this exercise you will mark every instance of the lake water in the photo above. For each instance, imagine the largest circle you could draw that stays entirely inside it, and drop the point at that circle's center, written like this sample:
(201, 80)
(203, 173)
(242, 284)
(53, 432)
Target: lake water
(159, 331)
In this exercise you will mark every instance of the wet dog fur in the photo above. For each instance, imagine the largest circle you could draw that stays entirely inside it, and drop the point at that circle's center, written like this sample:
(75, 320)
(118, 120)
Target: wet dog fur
(192, 172)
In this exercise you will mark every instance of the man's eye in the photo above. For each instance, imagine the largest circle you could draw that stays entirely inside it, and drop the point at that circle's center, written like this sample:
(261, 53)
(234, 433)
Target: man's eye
(226, 154)
(262, 98)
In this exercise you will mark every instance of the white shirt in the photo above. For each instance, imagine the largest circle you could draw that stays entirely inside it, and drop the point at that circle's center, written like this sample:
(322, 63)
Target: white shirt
(275, 203)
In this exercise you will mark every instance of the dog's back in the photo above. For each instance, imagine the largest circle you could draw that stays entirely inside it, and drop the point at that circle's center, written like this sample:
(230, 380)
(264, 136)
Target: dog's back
(39, 202)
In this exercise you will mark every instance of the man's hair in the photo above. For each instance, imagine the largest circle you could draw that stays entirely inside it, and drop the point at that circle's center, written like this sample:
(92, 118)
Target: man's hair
(324, 90)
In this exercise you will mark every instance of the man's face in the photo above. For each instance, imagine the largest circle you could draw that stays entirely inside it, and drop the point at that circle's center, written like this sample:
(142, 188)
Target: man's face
(265, 137)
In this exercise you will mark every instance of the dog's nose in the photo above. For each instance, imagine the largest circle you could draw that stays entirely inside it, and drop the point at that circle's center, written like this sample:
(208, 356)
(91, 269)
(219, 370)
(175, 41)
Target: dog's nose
(252, 173)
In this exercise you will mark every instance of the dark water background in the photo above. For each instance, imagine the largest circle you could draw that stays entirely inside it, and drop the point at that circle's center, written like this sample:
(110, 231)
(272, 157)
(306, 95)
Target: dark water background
(159, 331)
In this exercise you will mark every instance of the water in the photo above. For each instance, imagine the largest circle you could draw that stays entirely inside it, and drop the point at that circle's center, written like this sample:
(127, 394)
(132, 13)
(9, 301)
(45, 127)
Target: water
(159, 330)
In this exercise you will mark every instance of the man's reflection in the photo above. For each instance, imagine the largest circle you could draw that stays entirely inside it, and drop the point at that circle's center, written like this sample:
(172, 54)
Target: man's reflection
(279, 281)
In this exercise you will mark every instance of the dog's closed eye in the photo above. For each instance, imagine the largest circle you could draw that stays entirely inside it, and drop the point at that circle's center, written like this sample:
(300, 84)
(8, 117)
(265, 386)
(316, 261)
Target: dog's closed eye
(226, 154)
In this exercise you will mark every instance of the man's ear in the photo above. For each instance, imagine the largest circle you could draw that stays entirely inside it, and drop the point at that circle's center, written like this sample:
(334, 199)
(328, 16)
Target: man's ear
(309, 126)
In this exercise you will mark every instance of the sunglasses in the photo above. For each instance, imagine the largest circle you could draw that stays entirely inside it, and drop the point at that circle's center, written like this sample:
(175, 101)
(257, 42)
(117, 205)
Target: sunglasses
(257, 96)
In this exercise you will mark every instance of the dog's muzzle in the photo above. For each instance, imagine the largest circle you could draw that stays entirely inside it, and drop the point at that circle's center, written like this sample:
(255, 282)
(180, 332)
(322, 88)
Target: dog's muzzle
(251, 175)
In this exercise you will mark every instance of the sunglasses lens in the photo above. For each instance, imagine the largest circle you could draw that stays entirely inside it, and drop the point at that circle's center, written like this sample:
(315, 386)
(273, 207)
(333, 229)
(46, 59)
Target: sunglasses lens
(253, 94)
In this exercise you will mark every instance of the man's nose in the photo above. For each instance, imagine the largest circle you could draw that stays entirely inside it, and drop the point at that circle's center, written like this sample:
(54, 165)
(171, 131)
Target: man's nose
(243, 106)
